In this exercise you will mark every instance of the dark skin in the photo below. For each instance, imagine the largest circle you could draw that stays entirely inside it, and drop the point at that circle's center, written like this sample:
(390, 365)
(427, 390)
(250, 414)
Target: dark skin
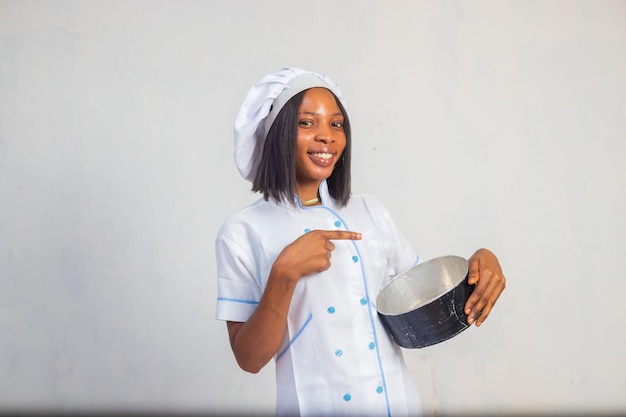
(486, 274)
(319, 145)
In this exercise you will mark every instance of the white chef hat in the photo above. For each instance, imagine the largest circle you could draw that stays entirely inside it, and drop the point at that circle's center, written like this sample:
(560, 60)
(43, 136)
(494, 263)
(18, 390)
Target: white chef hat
(260, 108)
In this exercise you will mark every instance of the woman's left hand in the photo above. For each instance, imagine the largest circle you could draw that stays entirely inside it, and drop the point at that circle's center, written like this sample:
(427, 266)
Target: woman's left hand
(484, 272)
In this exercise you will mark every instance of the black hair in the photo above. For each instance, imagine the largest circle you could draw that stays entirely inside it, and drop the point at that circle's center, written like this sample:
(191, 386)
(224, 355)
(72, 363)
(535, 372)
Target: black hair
(276, 175)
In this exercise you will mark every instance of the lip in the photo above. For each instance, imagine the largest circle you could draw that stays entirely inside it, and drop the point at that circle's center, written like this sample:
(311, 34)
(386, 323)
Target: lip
(322, 158)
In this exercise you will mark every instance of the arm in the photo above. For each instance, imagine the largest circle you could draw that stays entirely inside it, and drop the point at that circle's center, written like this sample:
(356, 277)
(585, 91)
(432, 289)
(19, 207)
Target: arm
(257, 340)
(484, 272)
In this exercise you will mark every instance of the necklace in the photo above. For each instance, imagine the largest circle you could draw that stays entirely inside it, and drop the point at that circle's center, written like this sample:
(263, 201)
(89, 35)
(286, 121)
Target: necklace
(311, 202)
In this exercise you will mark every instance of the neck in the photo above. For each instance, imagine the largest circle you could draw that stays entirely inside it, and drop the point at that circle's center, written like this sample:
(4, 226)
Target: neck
(308, 193)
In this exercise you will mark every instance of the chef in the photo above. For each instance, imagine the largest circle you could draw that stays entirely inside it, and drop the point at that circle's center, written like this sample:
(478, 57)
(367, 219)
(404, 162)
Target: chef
(299, 269)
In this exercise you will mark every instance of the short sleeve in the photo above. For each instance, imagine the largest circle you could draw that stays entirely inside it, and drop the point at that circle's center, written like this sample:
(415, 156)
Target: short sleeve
(238, 288)
(404, 256)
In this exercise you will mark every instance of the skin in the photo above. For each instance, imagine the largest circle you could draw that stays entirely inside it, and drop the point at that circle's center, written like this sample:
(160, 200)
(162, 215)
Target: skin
(319, 144)
(484, 272)
(320, 141)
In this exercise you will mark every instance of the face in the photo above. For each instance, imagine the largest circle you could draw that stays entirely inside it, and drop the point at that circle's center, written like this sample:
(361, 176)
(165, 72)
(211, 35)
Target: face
(321, 138)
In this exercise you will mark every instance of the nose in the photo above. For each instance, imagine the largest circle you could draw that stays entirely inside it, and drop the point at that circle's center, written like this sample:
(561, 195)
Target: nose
(325, 134)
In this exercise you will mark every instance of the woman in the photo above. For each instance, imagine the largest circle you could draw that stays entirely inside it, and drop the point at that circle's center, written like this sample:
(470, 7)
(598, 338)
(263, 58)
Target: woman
(299, 269)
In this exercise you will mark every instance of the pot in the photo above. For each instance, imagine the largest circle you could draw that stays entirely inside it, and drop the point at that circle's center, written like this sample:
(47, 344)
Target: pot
(424, 305)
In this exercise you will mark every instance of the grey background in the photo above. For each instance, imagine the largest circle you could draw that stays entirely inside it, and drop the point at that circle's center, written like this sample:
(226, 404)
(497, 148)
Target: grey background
(479, 124)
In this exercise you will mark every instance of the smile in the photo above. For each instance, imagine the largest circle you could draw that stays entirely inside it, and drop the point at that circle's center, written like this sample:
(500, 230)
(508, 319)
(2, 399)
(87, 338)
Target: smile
(322, 155)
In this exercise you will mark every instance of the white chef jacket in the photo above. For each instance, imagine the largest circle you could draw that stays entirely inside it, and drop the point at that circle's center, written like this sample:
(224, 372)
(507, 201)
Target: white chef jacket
(336, 357)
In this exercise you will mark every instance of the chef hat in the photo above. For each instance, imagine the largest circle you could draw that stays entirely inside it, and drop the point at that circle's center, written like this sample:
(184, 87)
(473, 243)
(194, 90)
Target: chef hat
(260, 108)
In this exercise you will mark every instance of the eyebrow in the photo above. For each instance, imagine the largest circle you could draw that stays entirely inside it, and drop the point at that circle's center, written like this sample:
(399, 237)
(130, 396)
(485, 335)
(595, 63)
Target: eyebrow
(317, 114)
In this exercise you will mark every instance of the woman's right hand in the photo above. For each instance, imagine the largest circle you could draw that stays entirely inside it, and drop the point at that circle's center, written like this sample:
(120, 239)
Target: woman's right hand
(310, 253)
(256, 341)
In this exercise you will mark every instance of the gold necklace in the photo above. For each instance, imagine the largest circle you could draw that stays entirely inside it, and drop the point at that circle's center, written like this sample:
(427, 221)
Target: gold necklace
(311, 202)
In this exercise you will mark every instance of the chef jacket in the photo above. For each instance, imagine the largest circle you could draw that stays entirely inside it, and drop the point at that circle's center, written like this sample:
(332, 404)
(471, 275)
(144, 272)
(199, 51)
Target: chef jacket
(336, 357)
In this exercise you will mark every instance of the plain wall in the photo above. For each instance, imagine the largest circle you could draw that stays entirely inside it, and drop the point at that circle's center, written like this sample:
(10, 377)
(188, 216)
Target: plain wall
(498, 124)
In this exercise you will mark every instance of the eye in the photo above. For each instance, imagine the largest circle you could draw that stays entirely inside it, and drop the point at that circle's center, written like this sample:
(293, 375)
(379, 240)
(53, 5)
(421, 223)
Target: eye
(305, 123)
(338, 125)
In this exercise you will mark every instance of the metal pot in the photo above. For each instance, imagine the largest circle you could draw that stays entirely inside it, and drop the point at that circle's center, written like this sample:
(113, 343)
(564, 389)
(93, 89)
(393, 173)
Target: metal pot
(424, 305)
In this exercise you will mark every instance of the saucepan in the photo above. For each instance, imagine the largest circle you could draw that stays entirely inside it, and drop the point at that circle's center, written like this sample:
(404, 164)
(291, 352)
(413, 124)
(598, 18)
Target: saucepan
(424, 305)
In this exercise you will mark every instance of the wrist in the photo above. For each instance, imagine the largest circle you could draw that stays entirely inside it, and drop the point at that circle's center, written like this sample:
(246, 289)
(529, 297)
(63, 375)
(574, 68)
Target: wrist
(283, 274)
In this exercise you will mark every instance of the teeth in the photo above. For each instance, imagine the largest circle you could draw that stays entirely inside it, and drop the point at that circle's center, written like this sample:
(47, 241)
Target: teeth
(323, 155)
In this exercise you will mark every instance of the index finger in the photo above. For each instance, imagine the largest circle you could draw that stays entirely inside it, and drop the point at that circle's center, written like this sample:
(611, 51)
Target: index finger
(340, 234)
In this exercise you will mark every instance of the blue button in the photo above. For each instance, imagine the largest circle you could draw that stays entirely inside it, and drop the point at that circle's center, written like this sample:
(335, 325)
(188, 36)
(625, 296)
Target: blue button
(337, 223)
(347, 397)
(307, 230)
(355, 258)
(379, 389)
(331, 310)
(338, 352)
(372, 345)
(363, 301)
